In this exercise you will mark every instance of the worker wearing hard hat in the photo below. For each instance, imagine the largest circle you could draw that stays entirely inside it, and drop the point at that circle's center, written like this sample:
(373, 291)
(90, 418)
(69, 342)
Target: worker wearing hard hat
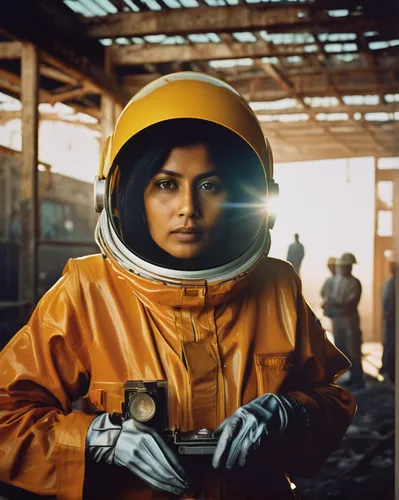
(326, 288)
(181, 322)
(342, 303)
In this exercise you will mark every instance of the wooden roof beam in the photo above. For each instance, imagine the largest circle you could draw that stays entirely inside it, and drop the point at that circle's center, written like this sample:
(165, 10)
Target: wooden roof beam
(372, 63)
(349, 109)
(60, 76)
(313, 126)
(74, 93)
(338, 71)
(327, 75)
(198, 20)
(8, 83)
(289, 88)
(365, 126)
(108, 83)
(10, 50)
(59, 35)
(129, 55)
(277, 94)
(325, 130)
(283, 82)
(271, 17)
(362, 124)
(6, 116)
(12, 83)
(273, 134)
(321, 48)
(255, 87)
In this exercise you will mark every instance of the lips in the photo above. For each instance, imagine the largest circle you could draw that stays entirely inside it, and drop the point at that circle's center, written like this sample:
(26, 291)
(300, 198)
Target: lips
(187, 229)
(187, 234)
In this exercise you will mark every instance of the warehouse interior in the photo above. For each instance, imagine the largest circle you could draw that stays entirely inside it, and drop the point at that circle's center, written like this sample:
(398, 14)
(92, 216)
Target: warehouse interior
(322, 76)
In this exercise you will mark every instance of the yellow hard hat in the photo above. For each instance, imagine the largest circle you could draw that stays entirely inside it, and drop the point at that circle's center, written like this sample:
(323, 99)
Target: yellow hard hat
(346, 259)
(187, 95)
(331, 261)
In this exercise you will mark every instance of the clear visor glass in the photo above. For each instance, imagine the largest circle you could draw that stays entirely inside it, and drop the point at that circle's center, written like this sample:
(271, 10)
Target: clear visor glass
(187, 195)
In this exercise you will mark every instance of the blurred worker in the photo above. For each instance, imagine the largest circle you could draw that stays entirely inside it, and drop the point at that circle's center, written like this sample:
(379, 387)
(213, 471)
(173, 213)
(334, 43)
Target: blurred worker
(327, 287)
(342, 303)
(296, 253)
(388, 307)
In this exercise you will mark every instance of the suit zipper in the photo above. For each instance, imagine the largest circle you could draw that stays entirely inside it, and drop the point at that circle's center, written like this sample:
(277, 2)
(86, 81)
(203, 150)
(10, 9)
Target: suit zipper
(193, 326)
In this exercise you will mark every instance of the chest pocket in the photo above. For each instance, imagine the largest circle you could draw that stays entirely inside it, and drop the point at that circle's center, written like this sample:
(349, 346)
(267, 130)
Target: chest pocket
(272, 371)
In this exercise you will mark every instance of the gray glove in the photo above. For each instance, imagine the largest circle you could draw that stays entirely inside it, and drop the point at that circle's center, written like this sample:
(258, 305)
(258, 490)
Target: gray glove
(140, 449)
(253, 430)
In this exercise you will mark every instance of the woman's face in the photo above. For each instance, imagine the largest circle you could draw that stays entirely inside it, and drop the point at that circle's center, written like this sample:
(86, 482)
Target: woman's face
(183, 203)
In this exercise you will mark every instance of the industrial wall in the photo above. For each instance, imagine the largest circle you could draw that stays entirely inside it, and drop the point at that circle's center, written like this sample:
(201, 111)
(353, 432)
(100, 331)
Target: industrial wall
(67, 218)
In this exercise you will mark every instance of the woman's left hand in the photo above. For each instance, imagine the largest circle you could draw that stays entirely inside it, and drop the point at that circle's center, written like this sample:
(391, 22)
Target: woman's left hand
(255, 427)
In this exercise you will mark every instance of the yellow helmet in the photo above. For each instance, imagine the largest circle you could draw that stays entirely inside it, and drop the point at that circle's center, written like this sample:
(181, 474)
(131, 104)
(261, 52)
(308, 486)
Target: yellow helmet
(346, 259)
(185, 95)
(331, 261)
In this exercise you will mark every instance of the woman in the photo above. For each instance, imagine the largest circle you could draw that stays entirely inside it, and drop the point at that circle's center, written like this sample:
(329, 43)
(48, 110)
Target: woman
(182, 298)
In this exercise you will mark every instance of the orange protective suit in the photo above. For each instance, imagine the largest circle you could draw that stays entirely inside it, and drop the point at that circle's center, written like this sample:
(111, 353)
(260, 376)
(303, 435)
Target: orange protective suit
(100, 326)
(220, 337)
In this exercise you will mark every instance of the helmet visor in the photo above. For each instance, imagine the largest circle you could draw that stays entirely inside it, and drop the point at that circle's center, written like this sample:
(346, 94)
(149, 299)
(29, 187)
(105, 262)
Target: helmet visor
(187, 194)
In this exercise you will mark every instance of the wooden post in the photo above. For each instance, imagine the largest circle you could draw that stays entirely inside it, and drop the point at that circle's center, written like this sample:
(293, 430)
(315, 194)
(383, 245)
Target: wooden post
(376, 292)
(107, 117)
(29, 200)
(382, 243)
(110, 110)
(396, 256)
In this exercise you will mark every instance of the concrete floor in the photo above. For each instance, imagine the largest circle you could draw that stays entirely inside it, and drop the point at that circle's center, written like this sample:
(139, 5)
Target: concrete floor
(348, 474)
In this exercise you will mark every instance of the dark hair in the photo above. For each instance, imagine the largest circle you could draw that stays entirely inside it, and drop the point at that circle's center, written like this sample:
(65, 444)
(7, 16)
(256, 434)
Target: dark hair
(145, 153)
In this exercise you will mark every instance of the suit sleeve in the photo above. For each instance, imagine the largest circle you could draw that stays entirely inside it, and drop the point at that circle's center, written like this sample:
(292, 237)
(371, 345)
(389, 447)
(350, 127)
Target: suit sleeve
(329, 408)
(44, 368)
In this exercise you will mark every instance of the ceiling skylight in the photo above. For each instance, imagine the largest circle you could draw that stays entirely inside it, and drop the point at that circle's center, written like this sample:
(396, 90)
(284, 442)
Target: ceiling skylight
(336, 37)
(381, 117)
(270, 60)
(361, 100)
(172, 4)
(391, 97)
(293, 59)
(245, 37)
(340, 47)
(132, 5)
(152, 4)
(321, 102)
(286, 118)
(271, 105)
(231, 63)
(383, 44)
(338, 13)
(332, 117)
(174, 40)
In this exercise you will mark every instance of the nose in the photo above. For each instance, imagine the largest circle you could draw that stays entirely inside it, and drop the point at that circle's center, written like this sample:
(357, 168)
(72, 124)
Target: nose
(188, 203)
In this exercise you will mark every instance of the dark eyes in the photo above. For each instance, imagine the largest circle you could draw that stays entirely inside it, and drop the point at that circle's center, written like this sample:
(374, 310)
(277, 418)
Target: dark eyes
(166, 185)
(209, 186)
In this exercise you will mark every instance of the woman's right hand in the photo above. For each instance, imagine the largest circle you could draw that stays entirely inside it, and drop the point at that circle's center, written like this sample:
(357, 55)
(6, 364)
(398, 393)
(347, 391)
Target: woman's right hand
(139, 448)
